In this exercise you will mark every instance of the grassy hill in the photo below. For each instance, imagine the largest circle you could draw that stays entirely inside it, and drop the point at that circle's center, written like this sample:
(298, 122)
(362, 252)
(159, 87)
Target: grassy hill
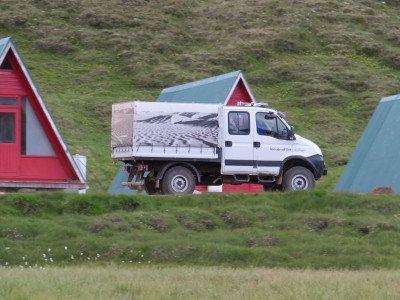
(325, 63)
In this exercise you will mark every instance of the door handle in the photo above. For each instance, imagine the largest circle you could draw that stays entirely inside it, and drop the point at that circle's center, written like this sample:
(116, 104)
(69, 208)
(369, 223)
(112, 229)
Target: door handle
(256, 144)
(228, 143)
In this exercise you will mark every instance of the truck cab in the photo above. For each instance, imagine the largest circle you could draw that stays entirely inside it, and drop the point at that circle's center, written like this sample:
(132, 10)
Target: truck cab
(257, 144)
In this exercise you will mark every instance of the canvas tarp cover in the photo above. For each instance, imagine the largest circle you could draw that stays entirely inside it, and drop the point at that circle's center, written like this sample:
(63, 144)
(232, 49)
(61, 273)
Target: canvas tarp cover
(155, 129)
(376, 160)
(122, 124)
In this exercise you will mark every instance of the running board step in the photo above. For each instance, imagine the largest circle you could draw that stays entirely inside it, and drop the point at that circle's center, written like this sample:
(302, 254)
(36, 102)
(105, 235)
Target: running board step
(266, 179)
(241, 178)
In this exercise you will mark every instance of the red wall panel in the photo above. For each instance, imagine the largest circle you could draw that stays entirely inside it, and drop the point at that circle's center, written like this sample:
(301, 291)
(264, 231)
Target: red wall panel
(239, 94)
(10, 83)
(42, 168)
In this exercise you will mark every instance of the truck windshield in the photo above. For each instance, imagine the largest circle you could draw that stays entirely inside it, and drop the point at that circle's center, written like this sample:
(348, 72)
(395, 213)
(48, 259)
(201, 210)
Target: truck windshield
(271, 126)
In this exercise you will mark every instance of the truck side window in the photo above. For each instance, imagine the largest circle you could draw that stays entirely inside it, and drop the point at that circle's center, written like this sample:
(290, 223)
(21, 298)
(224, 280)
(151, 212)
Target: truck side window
(283, 132)
(239, 123)
(271, 126)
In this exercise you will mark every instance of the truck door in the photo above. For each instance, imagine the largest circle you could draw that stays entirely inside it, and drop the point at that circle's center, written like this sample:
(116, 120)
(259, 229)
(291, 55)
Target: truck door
(237, 145)
(272, 143)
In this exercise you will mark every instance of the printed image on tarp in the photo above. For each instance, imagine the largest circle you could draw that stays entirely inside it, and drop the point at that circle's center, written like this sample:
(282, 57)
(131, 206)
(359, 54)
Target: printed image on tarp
(198, 129)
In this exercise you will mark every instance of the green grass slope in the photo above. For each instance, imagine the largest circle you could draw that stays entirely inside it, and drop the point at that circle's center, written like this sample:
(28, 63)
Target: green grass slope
(315, 230)
(325, 63)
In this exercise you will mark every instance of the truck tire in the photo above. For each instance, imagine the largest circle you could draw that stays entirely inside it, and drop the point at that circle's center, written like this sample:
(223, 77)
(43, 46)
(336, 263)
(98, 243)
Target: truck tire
(178, 180)
(298, 178)
(150, 187)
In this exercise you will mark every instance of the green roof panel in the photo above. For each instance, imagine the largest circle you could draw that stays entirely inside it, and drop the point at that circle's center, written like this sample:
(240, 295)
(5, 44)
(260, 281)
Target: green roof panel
(213, 90)
(3, 45)
(375, 161)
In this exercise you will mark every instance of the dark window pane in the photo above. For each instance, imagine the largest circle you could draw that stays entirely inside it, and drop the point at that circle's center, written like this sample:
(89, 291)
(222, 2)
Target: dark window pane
(6, 65)
(7, 128)
(4, 101)
(24, 100)
(239, 123)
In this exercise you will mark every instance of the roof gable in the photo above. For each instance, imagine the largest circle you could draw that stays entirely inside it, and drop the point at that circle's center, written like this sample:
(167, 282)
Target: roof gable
(375, 161)
(4, 45)
(213, 90)
(7, 45)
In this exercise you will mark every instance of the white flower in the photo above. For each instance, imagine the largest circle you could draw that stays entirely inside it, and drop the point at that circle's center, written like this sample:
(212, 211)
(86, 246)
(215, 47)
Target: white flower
(44, 255)
(51, 260)
(72, 257)
(66, 248)
(49, 250)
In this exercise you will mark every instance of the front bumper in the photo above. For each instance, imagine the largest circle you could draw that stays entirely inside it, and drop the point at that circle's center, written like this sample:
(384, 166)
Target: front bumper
(318, 163)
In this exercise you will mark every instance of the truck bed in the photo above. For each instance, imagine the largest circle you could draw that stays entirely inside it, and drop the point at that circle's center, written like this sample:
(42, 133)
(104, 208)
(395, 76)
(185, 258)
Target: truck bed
(164, 131)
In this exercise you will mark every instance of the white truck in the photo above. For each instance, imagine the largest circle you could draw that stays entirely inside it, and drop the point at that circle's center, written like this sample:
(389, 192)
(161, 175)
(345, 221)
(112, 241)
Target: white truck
(169, 148)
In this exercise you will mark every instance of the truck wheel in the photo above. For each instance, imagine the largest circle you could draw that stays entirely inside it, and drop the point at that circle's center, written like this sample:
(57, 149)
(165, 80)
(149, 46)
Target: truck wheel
(298, 178)
(178, 180)
(150, 187)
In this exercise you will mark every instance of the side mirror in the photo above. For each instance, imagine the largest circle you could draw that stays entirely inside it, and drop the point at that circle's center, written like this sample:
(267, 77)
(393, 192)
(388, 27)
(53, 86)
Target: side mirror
(270, 115)
(291, 133)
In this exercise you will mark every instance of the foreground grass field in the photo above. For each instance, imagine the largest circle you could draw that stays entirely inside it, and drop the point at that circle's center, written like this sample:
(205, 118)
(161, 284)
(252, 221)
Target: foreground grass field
(112, 282)
(317, 230)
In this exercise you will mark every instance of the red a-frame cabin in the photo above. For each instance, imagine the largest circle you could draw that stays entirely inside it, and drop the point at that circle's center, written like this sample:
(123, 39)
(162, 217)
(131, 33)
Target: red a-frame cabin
(33, 155)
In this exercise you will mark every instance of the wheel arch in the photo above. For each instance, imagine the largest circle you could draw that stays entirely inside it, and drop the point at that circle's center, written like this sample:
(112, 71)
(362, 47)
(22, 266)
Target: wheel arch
(297, 161)
(168, 166)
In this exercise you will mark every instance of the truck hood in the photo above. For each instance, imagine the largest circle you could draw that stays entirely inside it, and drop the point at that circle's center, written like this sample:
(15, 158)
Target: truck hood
(301, 141)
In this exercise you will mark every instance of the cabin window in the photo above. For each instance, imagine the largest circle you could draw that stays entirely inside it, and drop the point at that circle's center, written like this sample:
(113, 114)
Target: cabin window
(7, 127)
(6, 65)
(271, 125)
(239, 123)
(7, 101)
(34, 140)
